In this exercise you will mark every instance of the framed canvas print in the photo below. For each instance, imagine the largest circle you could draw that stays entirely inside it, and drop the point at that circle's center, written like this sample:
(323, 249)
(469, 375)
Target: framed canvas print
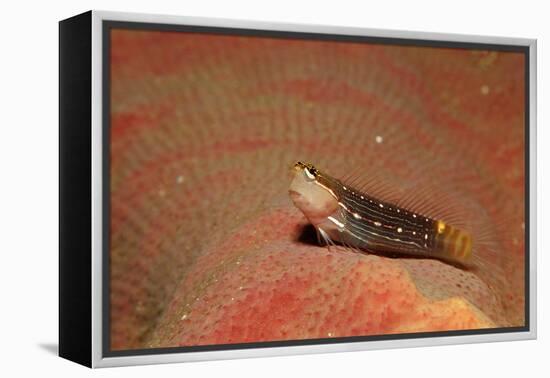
(233, 189)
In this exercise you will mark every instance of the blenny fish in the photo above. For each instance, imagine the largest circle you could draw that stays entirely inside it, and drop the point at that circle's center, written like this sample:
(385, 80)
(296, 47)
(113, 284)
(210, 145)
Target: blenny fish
(351, 216)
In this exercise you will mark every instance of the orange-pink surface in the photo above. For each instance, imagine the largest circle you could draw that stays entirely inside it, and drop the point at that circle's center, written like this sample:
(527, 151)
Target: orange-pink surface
(206, 246)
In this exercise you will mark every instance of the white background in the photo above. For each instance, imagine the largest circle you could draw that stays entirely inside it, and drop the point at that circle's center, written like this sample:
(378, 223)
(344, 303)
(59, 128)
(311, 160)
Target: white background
(29, 190)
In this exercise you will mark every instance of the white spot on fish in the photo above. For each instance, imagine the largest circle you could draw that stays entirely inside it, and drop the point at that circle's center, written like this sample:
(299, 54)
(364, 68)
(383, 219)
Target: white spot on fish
(414, 215)
(379, 139)
(484, 89)
(356, 216)
(381, 205)
(342, 206)
(329, 334)
(180, 179)
(399, 229)
(426, 236)
(184, 317)
(377, 224)
(336, 222)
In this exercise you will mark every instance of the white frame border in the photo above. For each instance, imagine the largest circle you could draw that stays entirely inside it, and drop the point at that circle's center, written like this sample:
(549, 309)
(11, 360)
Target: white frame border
(97, 188)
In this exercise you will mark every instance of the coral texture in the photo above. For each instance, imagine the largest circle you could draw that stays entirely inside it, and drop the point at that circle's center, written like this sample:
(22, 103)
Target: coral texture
(206, 246)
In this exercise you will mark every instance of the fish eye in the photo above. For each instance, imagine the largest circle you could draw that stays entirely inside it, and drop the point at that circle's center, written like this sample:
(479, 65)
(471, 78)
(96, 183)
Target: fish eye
(310, 173)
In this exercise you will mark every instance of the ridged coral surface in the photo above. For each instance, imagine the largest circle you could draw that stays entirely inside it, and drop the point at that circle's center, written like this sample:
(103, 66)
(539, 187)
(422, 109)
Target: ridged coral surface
(206, 246)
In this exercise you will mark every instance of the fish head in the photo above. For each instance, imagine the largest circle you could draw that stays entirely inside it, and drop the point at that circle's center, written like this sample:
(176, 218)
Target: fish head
(311, 194)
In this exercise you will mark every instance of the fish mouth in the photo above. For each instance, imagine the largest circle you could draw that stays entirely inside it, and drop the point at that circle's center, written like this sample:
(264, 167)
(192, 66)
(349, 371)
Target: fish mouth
(294, 194)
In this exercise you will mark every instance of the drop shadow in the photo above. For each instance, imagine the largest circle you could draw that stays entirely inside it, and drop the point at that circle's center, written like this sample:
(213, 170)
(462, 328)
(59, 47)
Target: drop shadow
(308, 235)
(51, 348)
